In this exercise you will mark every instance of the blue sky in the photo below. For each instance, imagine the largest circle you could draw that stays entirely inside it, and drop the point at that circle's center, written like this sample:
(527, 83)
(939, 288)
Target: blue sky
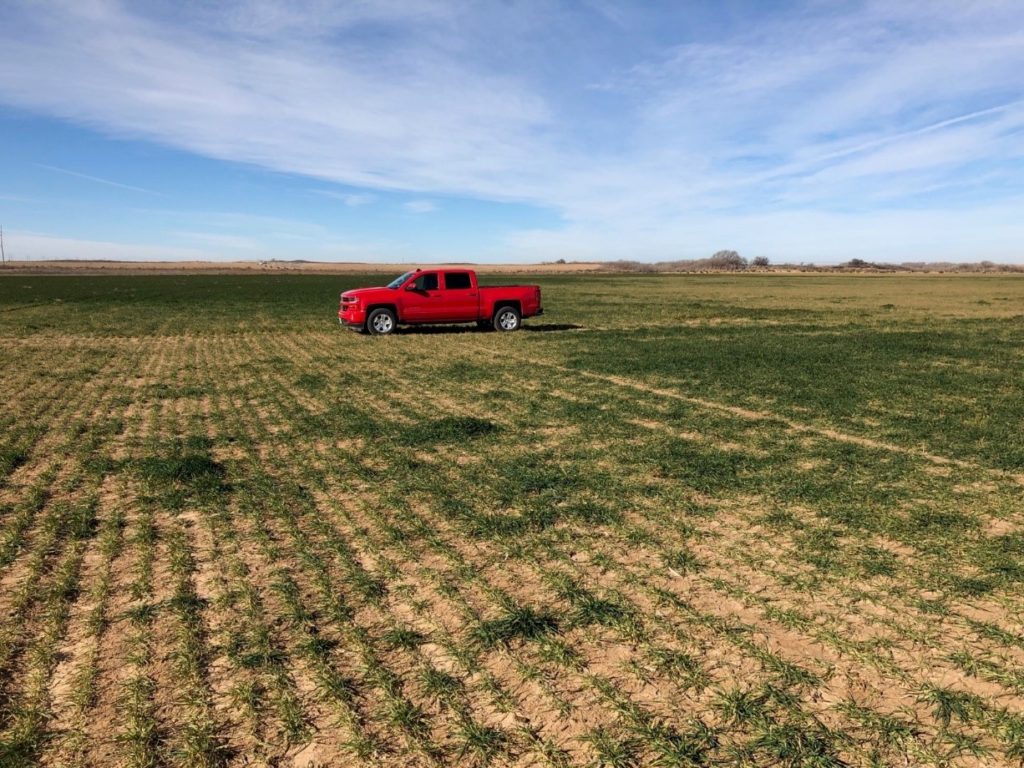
(526, 130)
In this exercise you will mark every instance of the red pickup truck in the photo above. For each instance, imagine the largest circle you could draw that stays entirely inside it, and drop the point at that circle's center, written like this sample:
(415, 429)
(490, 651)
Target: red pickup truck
(438, 296)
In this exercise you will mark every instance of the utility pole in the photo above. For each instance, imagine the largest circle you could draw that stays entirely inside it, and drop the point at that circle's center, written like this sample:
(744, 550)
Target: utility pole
(3, 255)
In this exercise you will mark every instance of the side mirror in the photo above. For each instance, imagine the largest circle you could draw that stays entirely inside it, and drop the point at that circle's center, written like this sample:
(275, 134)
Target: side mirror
(411, 287)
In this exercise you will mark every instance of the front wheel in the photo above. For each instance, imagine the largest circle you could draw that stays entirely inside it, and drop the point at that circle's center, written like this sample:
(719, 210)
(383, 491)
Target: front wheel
(507, 319)
(381, 322)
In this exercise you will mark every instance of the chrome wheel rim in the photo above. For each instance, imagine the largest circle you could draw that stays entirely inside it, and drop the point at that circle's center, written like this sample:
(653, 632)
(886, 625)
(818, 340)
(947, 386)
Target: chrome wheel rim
(508, 321)
(382, 323)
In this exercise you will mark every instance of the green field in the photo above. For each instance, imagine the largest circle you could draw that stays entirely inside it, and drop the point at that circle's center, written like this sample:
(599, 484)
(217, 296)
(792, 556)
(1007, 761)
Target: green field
(753, 520)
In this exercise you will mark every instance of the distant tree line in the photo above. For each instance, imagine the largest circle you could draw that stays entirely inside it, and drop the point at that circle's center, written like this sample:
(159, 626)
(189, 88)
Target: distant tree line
(928, 266)
(720, 261)
(732, 261)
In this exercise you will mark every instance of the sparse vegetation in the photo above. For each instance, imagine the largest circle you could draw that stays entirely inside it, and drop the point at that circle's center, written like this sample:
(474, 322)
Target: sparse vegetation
(699, 520)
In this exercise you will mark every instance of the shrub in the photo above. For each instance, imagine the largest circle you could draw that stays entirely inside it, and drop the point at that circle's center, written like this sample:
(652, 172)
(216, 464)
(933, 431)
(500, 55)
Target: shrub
(728, 260)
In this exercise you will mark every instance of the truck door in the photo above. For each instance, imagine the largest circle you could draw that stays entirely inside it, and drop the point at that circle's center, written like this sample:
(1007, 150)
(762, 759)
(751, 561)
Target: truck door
(461, 298)
(422, 301)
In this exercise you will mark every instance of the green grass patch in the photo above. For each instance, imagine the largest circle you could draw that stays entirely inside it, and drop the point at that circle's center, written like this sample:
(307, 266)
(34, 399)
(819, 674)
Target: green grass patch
(516, 623)
(448, 429)
(184, 473)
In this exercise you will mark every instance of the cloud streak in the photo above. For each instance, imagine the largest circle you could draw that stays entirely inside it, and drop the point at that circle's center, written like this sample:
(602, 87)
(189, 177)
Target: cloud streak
(810, 115)
(412, 119)
(350, 199)
(421, 206)
(97, 179)
(38, 246)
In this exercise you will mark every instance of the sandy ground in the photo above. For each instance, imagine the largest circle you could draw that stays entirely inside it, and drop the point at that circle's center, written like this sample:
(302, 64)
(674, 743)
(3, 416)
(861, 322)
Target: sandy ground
(263, 267)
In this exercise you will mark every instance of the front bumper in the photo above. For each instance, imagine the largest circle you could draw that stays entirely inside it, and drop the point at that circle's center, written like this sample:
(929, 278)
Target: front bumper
(352, 316)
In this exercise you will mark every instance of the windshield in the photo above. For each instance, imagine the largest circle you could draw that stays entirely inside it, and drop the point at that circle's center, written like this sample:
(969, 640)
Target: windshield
(397, 282)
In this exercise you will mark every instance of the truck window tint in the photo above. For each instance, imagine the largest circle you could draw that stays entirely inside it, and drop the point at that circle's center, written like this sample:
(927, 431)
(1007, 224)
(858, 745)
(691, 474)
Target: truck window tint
(455, 281)
(426, 282)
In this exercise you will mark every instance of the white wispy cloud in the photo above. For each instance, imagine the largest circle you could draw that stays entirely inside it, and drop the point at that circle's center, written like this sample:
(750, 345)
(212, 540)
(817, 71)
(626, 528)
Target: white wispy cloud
(220, 241)
(351, 199)
(255, 224)
(420, 206)
(26, 245)
(97, 179)
(251, 236)
(984, 232)
(38, 246)
(270, 89)
(783, 131)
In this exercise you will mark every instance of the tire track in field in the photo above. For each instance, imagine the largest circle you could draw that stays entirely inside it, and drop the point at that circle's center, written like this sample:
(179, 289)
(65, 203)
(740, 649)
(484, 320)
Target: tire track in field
(297, 560)
(47, 571)
(752, 415)
(72, 686)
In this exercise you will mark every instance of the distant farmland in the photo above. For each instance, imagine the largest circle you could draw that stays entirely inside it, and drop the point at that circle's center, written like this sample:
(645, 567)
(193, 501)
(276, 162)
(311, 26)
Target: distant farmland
(678, 521)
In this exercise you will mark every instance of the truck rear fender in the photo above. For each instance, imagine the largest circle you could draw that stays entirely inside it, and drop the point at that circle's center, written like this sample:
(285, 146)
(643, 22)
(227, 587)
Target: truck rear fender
(506, 303)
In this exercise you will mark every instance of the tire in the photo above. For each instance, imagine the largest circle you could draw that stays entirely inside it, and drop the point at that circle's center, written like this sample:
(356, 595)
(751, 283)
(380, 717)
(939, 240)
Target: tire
(507, 319)
(381, 322)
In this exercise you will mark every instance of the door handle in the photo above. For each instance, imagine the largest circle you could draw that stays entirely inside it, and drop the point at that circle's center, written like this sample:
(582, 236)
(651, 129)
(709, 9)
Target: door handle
(472, 295)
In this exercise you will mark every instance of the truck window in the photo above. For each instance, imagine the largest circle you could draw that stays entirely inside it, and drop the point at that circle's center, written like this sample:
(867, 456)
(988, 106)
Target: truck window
(456, 281)
(426, 282)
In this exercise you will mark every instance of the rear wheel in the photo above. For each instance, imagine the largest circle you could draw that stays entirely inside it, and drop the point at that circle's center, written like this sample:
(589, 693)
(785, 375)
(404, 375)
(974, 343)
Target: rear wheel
(507, 319)
(381, 322)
